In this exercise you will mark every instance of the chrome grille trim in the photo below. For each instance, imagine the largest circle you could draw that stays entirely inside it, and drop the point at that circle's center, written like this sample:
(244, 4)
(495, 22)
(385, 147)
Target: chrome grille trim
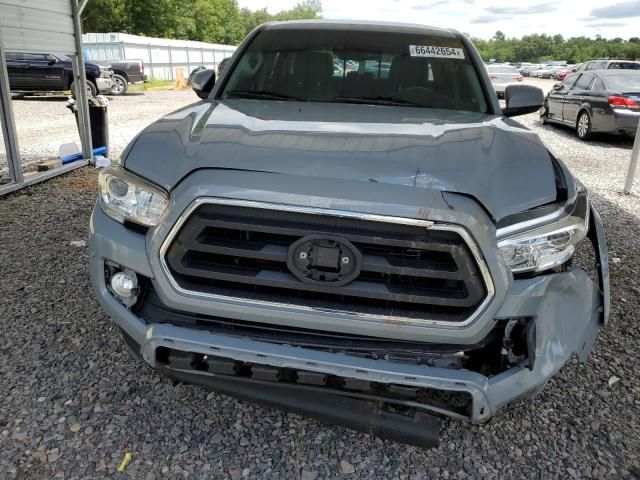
(484, 271)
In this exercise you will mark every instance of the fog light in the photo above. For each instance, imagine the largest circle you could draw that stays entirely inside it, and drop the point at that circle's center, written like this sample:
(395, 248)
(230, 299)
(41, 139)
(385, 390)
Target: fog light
(125, 286)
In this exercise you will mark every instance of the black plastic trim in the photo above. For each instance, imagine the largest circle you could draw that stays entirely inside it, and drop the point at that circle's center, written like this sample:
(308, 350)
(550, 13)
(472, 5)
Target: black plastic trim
(420, 429)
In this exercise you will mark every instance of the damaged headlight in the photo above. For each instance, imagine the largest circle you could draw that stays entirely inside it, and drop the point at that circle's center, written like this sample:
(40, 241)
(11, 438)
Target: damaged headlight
(126, 197)
(545, 247)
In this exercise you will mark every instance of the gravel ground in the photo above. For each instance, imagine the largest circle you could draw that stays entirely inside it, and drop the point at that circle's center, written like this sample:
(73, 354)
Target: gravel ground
(74, 401)
(44, 123)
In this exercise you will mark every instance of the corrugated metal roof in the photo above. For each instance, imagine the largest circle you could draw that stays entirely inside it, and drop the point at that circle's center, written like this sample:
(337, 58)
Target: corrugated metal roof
(37, 26)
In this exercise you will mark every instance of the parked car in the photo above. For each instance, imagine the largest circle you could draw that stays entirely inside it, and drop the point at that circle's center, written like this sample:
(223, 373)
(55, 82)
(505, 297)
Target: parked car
(609, 65)
(550, 72)
(125, 72)
(543, 72)
(596, 101)
(526, 71)
(502, 76)
(554, 72)
(563, 73)
(534, 71)
(365, 250)
(49, 73)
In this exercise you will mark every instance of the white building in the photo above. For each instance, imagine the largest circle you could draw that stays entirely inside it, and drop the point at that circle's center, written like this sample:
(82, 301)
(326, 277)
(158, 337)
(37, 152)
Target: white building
(161, 56)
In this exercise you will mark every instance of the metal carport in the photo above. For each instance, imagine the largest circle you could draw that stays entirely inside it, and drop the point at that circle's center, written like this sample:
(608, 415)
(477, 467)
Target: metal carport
(41, 26)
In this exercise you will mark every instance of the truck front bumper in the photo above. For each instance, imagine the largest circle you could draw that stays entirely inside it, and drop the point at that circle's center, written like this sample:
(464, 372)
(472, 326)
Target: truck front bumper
(104, 85)
(568, 309)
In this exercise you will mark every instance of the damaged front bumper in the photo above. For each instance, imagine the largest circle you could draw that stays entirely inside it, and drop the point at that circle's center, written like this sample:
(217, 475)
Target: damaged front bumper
(566, 308)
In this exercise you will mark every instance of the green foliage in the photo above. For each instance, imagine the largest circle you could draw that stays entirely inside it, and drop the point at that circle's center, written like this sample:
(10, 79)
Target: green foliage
(304, 10)
(105, 16)
(541, 47)
(213, 21)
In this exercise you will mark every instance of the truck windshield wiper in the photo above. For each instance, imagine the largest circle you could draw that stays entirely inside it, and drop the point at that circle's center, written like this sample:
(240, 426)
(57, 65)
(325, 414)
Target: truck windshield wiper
(391, 101)
(261, 94)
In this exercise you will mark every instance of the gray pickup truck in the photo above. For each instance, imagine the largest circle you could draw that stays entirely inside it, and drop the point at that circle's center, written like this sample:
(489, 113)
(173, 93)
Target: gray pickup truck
(349, 226)
(125, 72)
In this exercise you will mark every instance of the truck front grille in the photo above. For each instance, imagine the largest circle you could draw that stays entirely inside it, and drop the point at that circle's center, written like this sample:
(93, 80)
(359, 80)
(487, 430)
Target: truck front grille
(406, 271)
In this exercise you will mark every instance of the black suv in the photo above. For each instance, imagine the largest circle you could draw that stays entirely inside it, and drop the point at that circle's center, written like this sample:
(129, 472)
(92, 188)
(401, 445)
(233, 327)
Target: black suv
(46, 72)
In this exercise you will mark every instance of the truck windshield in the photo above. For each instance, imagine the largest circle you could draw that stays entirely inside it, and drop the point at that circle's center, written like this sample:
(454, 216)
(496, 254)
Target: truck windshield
(357, 66)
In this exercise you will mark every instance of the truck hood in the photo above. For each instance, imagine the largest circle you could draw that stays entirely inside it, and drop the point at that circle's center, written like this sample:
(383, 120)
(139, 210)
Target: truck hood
(505, 167)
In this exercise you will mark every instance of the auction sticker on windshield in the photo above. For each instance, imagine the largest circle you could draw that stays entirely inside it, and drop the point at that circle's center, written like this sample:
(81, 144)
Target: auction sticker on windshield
(436, 52)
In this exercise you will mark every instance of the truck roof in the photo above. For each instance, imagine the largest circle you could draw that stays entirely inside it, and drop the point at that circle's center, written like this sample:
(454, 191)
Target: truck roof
(380, 26)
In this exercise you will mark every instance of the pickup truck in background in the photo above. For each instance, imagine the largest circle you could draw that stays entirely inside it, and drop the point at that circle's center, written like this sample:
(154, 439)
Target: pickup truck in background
(124, 73)
(47, 72)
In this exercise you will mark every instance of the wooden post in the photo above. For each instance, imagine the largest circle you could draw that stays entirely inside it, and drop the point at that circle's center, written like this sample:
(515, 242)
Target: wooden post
(180, 81)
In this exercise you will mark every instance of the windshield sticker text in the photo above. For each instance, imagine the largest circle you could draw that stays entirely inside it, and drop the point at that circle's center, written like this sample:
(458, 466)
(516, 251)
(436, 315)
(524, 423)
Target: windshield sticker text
(436, 52)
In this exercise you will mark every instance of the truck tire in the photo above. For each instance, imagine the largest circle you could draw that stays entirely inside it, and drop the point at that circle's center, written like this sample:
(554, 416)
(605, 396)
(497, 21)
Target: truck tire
(91, 89)
(120, 85)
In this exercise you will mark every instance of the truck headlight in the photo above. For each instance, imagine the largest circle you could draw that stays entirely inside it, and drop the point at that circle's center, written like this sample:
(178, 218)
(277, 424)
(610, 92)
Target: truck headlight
(545, 247)
(124, 196)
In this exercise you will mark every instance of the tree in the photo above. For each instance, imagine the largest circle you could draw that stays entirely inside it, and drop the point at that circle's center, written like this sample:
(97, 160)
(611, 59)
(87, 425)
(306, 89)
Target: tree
(214, 21)
(253, 18)
(304, 10)
(217, 21)
(105, 16)
(539, 47)
(499, 37)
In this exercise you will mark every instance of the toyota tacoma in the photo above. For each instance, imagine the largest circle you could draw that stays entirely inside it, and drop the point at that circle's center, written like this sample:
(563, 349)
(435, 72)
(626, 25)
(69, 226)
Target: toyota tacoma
(375, 245)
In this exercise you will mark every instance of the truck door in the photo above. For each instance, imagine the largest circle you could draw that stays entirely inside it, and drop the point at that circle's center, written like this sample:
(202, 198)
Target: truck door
(45, 72)
(16, 69)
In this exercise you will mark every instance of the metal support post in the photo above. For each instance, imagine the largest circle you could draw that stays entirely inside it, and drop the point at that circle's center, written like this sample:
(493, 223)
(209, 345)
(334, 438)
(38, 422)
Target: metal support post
(80, 80)
(150, 63)
(8, 125)
(633, 164)
(173, 73)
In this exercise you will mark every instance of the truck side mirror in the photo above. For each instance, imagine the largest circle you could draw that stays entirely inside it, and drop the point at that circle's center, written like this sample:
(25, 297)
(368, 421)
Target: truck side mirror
(202, 82)
(522, 99)
(51, 59)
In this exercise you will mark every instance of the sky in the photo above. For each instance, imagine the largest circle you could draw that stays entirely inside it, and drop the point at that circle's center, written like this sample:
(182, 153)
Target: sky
(482, 18)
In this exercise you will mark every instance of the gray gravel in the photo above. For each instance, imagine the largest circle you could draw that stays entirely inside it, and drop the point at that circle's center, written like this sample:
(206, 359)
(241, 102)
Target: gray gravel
(44, 123)
(74, 401)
